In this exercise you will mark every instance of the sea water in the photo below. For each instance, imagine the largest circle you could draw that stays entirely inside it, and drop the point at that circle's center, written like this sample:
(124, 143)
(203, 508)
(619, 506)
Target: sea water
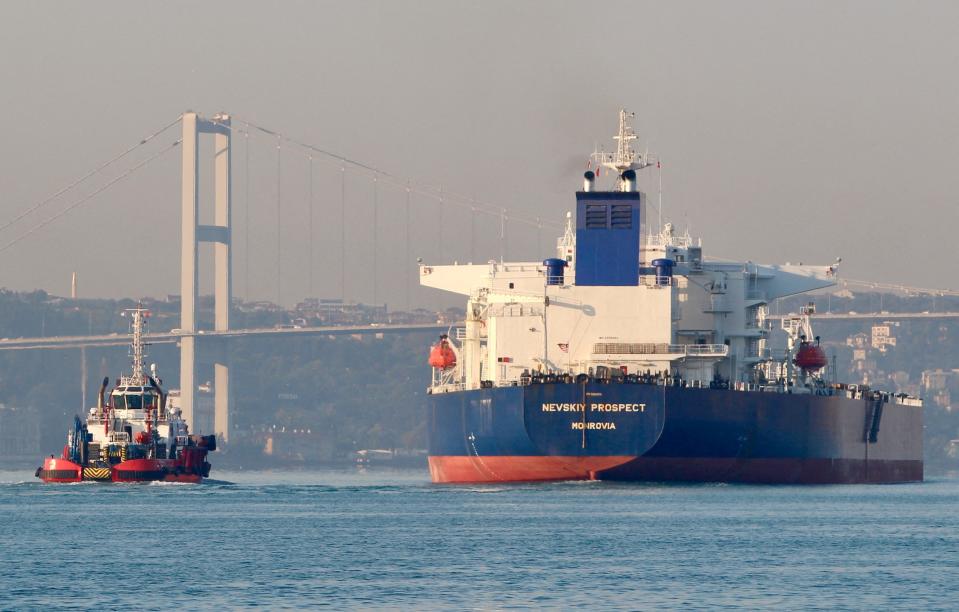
(348, 539)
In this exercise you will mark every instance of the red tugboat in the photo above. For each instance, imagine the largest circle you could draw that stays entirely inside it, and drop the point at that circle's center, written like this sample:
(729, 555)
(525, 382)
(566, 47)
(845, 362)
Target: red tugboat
(132, 436)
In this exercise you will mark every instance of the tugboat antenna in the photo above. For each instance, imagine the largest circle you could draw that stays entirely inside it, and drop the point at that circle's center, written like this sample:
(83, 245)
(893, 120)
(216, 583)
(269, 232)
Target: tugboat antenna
(137, 353)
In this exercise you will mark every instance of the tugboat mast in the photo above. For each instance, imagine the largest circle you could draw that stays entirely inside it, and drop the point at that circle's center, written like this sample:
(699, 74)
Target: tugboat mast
(137, 351)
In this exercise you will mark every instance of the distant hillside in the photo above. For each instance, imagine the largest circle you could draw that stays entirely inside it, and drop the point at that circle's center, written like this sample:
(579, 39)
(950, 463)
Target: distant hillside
(320, 399)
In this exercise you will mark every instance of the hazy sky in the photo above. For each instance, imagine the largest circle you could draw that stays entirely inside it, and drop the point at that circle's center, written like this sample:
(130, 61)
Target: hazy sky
(788, 132)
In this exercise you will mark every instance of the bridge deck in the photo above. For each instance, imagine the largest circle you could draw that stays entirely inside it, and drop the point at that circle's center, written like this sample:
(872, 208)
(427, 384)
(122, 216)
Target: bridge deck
(63, 342)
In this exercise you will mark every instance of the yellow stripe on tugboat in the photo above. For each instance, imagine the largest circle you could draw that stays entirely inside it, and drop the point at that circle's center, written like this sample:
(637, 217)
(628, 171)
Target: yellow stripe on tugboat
(96, 473)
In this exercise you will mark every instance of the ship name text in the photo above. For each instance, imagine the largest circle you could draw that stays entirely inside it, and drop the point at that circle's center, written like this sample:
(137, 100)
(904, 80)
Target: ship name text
(597, 407)
(592, 425)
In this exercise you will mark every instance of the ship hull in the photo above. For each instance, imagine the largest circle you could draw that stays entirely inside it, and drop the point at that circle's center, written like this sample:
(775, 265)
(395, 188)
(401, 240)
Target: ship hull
(60, 470)
(517, 468)
(768, 470)
(682, 434)
(539, 432)
(193, 470)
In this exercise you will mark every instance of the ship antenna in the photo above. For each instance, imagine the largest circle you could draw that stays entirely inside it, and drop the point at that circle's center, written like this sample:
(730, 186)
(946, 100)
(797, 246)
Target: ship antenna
(625, 155)
(659, 171)
(137, 323)
(625, 158)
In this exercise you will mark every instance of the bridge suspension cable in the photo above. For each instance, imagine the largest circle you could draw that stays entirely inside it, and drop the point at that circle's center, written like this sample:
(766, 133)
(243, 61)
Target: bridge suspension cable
(279, 233)
(439, 227)
(343, 232)
(430, 190)
(376, 207)
(381, 179)
(310, 241)
(88, 175)
(246, 215)
(406, 246)
(89, 196)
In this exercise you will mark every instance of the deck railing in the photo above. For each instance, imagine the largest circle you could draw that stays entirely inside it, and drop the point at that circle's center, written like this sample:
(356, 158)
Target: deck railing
(652, 348)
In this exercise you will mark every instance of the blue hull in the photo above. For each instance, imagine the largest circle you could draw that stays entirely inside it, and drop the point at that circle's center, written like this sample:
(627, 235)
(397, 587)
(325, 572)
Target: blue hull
(624, 431)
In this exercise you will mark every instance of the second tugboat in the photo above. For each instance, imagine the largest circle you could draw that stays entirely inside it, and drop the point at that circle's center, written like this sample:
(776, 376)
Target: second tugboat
(132, 436)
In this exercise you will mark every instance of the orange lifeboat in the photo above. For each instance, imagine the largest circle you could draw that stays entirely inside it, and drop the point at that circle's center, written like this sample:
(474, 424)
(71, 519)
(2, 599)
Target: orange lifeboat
(810, 357)
(442, 356)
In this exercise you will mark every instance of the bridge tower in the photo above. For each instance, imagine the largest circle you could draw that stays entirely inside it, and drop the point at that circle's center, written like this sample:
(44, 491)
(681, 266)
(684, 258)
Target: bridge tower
(192, 234)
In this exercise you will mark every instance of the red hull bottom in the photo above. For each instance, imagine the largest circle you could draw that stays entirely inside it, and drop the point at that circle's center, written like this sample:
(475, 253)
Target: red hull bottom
(767, 471)
(191, 479)
(470, 469)
(188, 478)
(59, 470)
(136, 470)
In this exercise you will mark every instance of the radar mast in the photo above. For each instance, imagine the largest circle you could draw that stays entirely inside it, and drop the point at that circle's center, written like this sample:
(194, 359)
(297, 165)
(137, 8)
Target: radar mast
(625, 157)
(138, 318)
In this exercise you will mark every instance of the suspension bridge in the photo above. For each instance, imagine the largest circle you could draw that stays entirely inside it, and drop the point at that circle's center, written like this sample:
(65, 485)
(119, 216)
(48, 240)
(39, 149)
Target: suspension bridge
(418, 211)
(416, 205)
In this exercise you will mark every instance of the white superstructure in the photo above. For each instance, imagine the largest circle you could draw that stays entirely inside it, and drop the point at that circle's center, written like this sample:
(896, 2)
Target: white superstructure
(137, 405)
(699, 319)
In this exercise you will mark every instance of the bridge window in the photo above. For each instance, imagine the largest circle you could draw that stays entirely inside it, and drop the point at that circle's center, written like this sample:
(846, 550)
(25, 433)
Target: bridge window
(134, 402)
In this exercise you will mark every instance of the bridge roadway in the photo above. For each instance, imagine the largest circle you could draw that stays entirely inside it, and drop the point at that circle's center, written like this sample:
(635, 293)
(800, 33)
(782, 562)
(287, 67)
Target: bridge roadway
(882, 316)
(66, 342)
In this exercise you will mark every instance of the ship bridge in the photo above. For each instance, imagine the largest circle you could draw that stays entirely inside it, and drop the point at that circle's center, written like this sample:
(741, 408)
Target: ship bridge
(616, 295)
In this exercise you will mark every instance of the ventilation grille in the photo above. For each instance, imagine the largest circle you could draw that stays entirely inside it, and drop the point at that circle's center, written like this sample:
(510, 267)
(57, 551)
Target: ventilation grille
(621, 216)
(596, 216)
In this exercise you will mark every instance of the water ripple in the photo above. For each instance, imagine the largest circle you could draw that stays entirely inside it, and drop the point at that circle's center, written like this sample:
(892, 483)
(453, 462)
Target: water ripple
(341, 539)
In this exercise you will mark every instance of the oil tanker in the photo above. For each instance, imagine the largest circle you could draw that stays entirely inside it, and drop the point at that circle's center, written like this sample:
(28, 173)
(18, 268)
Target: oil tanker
(629, 355)
(131, 435)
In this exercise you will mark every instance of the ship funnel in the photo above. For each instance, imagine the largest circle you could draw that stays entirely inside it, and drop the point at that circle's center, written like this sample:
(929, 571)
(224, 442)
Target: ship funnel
(628, 180)
(588, 179)
(156, 387)
(103, 388)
